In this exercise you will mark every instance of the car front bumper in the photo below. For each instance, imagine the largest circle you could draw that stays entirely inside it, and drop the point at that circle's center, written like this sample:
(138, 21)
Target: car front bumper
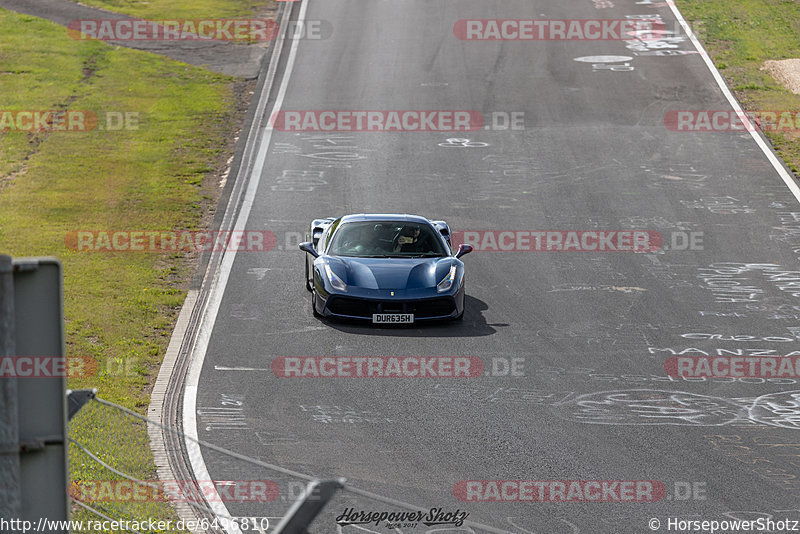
(361, 307)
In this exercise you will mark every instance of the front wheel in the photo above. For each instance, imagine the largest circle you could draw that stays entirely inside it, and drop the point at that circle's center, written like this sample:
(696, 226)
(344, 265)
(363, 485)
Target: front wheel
(314, 304)
(309, 284)
(460, 316)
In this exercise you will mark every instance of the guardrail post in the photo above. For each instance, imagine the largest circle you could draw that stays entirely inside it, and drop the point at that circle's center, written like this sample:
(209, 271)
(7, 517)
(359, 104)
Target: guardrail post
(10, 490)
(33, 414)
(303, 512)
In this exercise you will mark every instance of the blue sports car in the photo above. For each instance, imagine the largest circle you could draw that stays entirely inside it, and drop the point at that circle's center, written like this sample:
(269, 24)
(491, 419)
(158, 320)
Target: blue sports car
(387, 269)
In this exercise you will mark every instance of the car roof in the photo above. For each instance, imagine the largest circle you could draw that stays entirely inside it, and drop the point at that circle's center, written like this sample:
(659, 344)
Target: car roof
(384, 217)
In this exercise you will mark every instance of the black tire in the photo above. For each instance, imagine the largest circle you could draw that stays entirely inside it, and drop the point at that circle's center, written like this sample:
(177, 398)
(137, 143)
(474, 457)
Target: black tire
(309, 284)
(463, 309)
(314, 304)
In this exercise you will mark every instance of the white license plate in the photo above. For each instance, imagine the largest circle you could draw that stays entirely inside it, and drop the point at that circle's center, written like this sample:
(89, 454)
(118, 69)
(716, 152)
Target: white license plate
(393, 318)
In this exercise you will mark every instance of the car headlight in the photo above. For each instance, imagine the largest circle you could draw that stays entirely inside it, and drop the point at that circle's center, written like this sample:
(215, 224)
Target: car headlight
(447, 281)
(335, 281)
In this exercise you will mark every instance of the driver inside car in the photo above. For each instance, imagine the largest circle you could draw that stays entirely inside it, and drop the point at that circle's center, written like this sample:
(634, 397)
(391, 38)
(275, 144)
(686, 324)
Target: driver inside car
(359, 240)
(410, 240)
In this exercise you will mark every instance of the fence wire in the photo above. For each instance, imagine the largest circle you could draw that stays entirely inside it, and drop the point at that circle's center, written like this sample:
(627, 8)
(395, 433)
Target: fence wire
(116, 479)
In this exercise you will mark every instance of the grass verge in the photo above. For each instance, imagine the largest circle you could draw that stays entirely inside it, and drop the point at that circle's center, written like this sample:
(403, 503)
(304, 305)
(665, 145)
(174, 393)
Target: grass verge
(741, 36)
(179, 9)
(155, 174)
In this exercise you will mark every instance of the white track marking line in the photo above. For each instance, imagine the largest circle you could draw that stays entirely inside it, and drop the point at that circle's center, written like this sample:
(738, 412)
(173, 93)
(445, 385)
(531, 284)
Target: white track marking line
(217, 291)
(791, 183)
(222, 368)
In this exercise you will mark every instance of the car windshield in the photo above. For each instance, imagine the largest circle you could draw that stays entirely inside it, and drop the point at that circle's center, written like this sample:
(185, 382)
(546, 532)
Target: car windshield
(386, 240)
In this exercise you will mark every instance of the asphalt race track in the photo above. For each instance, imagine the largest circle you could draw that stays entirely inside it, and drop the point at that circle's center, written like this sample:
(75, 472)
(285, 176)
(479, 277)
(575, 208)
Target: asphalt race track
(589, 332)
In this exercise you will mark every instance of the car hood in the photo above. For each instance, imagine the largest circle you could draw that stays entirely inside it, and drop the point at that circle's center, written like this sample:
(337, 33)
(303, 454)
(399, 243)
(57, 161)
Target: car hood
(392, 273)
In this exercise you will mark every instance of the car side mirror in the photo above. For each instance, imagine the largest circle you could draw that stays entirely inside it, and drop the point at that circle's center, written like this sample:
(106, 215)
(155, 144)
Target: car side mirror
(463, 249)
(308, 246)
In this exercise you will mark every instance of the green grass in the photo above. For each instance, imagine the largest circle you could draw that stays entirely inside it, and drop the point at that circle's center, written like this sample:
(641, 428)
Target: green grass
(179, 9)
(107, 433)
(119, 307)
(741, 35)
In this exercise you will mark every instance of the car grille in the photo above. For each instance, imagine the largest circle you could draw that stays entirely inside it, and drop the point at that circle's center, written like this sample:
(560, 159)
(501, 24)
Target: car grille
(421, 309)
